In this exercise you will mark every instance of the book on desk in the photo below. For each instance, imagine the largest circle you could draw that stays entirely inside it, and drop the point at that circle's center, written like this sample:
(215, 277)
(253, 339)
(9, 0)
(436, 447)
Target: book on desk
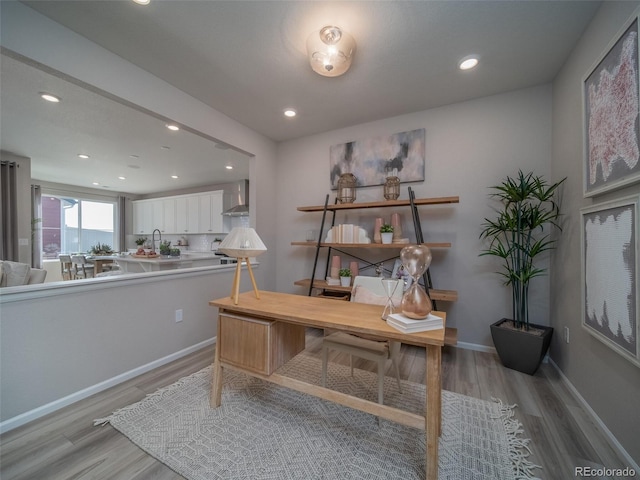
(410, 325)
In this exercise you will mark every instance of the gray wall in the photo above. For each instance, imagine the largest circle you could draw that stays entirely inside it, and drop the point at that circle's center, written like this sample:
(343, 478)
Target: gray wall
(608, 382)
(469, 147)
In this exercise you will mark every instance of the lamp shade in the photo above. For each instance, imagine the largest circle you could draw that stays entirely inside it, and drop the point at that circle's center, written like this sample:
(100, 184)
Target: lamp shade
(330, 51)
(242, 242)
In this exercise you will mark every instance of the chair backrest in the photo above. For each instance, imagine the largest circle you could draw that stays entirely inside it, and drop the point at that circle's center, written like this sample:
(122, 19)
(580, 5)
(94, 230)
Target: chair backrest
(371, 290)
(79, 259)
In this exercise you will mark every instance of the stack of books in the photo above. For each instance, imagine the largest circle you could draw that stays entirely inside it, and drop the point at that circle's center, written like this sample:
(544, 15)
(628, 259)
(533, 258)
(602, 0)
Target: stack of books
(409, 325)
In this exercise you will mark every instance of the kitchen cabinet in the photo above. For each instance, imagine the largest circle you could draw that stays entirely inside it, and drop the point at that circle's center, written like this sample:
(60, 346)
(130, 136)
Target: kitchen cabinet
(180, 214)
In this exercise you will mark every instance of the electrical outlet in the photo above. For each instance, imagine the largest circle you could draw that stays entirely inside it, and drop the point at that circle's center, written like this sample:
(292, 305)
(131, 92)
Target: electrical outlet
(566, 334)
(178, 315)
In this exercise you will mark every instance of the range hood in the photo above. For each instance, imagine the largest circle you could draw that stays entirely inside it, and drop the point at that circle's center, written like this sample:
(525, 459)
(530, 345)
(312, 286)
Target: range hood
(241, 196)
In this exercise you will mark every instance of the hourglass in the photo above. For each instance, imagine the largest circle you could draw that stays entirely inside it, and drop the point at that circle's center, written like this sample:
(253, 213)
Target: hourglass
(390, 286)
(416, 303)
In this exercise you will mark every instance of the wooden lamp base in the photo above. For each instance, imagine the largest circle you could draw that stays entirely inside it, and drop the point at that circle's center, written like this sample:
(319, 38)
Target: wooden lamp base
(235, 288)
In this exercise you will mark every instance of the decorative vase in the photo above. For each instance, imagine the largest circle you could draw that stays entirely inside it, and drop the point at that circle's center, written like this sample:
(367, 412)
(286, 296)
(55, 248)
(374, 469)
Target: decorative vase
(345, 281)
(387, 237)
(335, 266)
(376, 231)
(397, 228)
(416, 303)
(355, 269)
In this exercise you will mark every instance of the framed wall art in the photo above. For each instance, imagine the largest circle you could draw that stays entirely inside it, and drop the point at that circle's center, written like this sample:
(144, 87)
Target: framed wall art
(610, 274)
(372, 160)
(611, 115)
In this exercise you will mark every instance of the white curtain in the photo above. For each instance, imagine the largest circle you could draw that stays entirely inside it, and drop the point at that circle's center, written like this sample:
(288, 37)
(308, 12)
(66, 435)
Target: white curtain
(36, 226)
(8, 211)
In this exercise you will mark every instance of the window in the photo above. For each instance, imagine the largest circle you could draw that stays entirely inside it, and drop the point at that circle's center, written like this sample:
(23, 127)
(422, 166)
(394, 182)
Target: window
(74, 225)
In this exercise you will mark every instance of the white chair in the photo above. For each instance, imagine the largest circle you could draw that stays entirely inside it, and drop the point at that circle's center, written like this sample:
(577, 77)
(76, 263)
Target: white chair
(366, 290)
(81, 268)
(66, 267)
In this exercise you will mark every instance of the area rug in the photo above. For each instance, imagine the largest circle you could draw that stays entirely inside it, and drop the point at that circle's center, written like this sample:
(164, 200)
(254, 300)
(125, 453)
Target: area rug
(264, 431)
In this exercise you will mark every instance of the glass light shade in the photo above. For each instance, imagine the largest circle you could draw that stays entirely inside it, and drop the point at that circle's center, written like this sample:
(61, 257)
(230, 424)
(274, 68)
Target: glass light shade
(242, 242)
(347, 188)
(330, 51)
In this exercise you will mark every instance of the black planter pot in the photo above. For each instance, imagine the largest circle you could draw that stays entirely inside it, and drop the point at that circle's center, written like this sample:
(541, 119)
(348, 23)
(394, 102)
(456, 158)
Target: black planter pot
(520, 350)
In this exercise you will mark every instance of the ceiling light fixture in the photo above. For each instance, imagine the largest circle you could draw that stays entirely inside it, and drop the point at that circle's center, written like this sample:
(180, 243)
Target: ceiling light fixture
(229, 167)
(468, 62)
(175, 177)
(95, 183)
(49, 98)
(122, 178)
(83, 156)
(330, 51)
(290, 112)
(173, 128)
(142, 2)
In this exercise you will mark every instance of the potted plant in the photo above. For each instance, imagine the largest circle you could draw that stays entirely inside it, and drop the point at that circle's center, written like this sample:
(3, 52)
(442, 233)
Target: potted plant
(165, 247)
(517, 236)
(386, 231)
(345, 277)
(140, 241)
(174, 252)
(101, 249)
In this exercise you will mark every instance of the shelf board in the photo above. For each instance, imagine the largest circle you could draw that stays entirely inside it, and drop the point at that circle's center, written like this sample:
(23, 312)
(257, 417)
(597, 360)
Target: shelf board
(382, 204)
(371, 245)
(435, 294)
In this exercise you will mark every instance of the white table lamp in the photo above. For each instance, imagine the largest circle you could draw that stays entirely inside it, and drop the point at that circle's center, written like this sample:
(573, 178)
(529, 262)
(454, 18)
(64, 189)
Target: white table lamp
(242, 243)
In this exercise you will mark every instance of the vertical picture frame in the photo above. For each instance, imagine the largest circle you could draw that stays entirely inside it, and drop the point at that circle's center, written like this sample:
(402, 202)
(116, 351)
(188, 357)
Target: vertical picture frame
(610, 291)
(611, 115)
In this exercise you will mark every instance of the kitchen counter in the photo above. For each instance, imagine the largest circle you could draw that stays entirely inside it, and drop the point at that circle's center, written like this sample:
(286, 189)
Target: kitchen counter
(131, 264)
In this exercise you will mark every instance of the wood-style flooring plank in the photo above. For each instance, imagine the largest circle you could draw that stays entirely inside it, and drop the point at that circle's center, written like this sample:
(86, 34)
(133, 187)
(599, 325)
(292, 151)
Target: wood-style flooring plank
(66, 444)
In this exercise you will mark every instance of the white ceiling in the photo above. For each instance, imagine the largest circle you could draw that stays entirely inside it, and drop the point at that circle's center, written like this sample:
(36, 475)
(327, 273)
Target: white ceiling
(247, 59)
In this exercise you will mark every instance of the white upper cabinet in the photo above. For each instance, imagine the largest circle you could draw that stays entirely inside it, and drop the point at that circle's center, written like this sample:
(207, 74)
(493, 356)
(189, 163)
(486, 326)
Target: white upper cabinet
(182, 214)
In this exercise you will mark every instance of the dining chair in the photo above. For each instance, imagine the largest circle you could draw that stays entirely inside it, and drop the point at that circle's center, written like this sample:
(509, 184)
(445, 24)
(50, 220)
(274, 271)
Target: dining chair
(366, 290)
(66, 267)
(81, 267)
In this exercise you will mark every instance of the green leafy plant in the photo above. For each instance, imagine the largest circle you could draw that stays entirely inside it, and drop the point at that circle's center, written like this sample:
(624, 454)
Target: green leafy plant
(140, 241)
(344, 272)
(174, 252)
(165, 247)
(517, 235)
(101, 249)
(386, 228)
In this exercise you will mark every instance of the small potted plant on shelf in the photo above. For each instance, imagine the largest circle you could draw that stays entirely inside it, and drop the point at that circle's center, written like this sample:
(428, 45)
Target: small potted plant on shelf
(165, 248)
(386, 232)
(517, 236)
(345, 277)
(140, 241)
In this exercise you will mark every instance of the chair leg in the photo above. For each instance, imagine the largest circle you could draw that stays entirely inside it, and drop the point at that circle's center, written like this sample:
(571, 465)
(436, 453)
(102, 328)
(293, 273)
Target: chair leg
(397, 370)
(381, 364)
(325, 355)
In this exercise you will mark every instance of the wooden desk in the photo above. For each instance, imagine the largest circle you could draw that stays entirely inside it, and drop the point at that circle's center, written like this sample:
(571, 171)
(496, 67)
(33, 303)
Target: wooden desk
(278, 319)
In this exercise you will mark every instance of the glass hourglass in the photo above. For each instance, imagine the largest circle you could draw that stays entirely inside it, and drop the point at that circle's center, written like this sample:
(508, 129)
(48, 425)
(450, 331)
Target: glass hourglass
(416, 304)
(390, 286)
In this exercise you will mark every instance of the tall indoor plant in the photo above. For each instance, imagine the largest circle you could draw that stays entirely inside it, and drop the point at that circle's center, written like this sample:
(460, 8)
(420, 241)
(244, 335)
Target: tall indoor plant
(517, 236)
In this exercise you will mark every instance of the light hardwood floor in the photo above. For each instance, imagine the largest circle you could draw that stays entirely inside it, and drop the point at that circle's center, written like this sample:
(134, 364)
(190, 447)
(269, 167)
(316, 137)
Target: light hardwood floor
(66, 445)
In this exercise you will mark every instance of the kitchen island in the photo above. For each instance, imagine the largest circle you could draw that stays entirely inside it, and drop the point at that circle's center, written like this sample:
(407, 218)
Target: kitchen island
(135, 264)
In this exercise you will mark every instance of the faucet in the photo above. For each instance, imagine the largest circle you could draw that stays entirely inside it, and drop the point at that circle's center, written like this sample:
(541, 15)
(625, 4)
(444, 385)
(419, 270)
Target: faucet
(153, 239)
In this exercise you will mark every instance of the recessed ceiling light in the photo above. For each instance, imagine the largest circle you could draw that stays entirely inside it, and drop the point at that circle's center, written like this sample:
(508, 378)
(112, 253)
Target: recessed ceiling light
(84, 156)
(122, 178)
(142, 2)
(175, 177)
(134, 156)
(173, 128)
(290, 112)
(95, 183)
(135, 167)
(49, 98)
(468, 62)
(164, 147)
(229, 167)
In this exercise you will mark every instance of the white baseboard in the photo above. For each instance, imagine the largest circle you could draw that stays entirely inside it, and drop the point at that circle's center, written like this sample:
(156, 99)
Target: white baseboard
(476, 347)
(614, 441)
(36, 413)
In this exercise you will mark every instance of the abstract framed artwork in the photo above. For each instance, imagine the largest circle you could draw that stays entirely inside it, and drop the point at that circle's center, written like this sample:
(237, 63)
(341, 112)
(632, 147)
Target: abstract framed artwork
(610, 289)
(611, 114)
(372, 160)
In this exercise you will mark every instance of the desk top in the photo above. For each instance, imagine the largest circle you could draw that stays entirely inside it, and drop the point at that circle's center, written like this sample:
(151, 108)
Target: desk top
(324, 313)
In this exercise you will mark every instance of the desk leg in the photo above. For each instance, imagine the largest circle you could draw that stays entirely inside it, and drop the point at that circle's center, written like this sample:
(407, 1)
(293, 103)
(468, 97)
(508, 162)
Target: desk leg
(215, 398)
(433, 409)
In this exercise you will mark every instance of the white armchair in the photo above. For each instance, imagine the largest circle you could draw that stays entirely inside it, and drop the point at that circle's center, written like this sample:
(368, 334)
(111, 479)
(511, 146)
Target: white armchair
(13, 274)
